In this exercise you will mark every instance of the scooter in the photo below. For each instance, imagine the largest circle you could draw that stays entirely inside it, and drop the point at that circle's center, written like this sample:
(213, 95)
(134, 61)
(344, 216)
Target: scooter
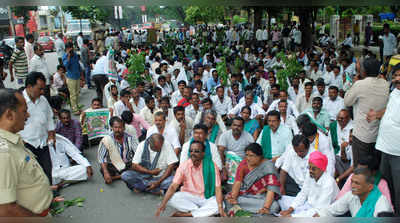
(5, 53)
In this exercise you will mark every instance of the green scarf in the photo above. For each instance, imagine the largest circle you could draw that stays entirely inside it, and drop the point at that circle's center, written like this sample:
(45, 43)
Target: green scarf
(214, 133)
(334, 138)
(208, 171)
(368, 207)
(316, 123)
(266, 142)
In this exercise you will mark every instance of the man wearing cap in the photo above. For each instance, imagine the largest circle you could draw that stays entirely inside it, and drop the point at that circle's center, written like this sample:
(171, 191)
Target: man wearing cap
(319, 190)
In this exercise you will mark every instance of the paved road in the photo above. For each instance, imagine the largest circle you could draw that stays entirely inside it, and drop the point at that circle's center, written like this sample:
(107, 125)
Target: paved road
(115, 200)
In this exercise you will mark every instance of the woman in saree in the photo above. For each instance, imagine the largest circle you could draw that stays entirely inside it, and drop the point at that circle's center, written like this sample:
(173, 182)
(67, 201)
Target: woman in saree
(256, 186)
(250, 125)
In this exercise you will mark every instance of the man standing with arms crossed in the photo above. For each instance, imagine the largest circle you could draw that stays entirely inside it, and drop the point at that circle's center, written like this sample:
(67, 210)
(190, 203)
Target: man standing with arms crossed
(25, 190)
(39, 130)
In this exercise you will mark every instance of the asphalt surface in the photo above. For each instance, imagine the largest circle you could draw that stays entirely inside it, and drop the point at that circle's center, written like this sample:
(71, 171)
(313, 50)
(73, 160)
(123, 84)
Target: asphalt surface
(103, 202)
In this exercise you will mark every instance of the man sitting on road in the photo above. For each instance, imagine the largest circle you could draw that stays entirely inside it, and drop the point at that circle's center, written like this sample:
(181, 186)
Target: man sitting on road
(200, 132)
(364, 199)
(169, 133)
(152, 166)
(201, 193)
(63, 172)
(116, 151)
(69, 128)
(319, 190)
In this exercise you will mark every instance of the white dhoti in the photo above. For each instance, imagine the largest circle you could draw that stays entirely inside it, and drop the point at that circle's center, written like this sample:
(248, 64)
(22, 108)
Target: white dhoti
(198, 206)
(62, 169)
(305, 210)
(69, 174)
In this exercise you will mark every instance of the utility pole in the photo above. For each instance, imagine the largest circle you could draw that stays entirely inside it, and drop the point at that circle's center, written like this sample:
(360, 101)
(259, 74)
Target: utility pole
(62, 19)
(10, 18)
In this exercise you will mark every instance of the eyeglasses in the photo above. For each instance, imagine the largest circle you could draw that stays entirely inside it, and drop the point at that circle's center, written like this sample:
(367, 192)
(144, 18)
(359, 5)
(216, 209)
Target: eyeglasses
(196, 151)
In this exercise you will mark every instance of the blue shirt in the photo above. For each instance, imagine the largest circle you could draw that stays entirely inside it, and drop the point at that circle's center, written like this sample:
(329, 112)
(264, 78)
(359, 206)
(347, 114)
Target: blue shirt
(73, 67)
(211, 84)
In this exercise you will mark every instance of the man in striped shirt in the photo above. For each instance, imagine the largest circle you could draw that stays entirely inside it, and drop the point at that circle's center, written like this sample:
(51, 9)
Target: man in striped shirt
(19, 62)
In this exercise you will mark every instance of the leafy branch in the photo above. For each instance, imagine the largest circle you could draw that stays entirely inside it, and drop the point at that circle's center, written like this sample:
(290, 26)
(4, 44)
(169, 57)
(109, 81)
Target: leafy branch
(291, 68)
(222, 71)
(136, 69)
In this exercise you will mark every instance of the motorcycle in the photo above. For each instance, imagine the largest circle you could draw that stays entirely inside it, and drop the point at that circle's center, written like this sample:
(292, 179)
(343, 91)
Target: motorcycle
(5, 53)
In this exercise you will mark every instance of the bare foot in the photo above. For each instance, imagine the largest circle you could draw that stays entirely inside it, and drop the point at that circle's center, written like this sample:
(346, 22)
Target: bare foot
(181, 214)
(136, 190)
(118, 177)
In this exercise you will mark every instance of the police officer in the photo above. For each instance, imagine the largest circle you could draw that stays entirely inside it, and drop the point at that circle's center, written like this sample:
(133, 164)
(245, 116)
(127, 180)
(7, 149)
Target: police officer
(24, 188)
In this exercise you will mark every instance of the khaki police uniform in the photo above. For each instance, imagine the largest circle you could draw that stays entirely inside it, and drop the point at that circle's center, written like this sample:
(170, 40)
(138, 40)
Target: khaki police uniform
(22, 180)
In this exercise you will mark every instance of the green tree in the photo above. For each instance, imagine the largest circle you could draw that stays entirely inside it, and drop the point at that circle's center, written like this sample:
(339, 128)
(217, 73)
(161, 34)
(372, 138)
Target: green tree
(204, 14)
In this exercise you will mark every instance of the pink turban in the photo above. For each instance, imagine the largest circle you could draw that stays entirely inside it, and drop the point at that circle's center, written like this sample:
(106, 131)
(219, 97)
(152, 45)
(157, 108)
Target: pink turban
(318, 159)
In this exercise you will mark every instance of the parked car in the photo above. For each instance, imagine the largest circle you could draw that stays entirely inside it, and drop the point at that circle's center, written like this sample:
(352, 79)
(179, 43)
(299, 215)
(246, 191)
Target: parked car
(46, 42)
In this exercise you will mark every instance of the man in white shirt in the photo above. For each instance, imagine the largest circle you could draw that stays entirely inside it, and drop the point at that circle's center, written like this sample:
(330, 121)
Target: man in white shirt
(152, 166)
(340, 140)
(182, 124)
(200, 132)
(207, 105)
(320, 142)
(291, 107)
(315, 72)
(334, 78)
(389, 42)
(294, 89)
(293, 165)
(38, 63)
(320, 90)
(259, 33)
(265, 35)
(79, 40)
(334, 103)
(256, 111)
(178, 94)
(123, 103)
(348, 41)
(99, 74)
(279, 137)
(63, 172)
(388, 139)
(319, 190)
(60, 47)
(194, 108)
(318, 115)
(304, 100)
(222, 103)
(148, 111)
(29, 51)
(170, 134)
(136, 101)
(287, 119)
(362, 188)
(39, 130)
